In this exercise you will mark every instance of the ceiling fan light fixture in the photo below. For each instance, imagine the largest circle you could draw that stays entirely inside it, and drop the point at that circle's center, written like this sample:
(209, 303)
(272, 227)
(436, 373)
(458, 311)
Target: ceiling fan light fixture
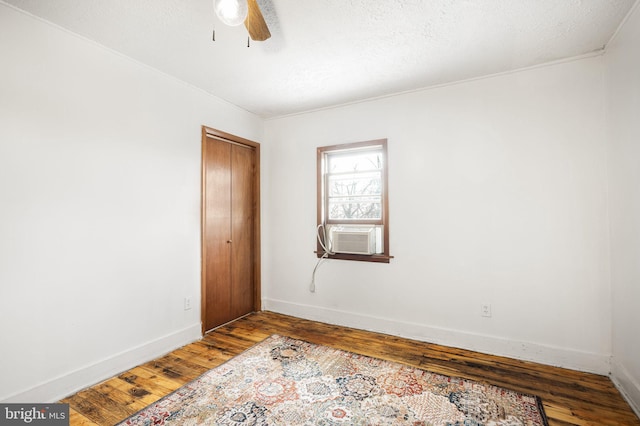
(231, 12)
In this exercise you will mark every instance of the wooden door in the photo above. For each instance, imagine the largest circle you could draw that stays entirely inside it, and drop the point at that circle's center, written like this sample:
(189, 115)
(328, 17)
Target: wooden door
(242, 166)
(230, 228)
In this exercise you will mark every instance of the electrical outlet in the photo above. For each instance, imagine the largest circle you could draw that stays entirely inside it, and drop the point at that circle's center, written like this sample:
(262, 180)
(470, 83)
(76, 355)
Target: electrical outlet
(485, 310)
(187, 303)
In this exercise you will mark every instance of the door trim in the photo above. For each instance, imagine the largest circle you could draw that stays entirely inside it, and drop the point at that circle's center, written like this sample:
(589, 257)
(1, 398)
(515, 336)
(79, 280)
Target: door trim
(228, 137)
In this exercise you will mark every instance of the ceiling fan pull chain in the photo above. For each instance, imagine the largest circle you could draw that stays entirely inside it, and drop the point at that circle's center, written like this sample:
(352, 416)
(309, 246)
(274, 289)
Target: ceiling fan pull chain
(248, 41)
(213, 37)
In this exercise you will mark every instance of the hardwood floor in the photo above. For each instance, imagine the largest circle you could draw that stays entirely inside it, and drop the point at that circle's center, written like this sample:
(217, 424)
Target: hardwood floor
(569, 397)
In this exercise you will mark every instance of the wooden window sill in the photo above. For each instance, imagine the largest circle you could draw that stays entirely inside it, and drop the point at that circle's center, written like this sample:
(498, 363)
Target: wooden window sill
(377, 258)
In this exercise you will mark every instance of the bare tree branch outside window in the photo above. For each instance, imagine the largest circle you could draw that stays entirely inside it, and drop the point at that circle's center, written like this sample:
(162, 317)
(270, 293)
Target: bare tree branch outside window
(355, 186)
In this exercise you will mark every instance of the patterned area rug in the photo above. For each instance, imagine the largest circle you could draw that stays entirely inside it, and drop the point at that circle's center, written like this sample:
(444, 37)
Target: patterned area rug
(282, 381)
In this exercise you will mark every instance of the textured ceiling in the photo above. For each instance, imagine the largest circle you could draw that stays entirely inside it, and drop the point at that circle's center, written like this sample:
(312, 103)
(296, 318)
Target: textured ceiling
(329, 52)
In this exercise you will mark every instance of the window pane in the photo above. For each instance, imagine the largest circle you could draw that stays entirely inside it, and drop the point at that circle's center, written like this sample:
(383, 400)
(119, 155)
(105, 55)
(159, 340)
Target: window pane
(345, 208)
(353, 184)
(355, 162)
(355, 196)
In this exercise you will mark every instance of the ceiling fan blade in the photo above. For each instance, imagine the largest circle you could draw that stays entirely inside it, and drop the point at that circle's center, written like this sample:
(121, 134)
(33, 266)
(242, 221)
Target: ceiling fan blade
(255, 23)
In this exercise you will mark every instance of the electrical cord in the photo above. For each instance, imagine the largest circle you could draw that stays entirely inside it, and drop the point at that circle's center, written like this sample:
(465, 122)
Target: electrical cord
(325, 255)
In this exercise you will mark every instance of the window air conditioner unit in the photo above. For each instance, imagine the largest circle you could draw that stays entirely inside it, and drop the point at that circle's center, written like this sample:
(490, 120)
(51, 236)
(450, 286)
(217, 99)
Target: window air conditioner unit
(353, 240)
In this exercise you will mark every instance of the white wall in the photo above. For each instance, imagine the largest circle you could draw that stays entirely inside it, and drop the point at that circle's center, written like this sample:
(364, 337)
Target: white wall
(497, 195)
(623, 82)
(99, 209)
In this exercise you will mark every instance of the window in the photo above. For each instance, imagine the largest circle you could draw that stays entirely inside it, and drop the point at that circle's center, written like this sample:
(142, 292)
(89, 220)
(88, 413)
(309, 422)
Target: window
(353, 207)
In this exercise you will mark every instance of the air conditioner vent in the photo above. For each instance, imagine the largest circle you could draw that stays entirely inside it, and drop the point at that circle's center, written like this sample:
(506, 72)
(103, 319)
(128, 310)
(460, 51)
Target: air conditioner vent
(353, 240)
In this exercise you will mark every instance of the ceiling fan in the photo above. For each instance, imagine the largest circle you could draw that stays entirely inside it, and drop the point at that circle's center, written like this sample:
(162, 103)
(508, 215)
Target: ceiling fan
(235, 12)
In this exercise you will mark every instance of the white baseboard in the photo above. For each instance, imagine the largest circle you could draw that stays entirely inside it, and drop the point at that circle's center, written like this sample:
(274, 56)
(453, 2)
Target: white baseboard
(627, 385)
(548, 355)
(65, 385)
